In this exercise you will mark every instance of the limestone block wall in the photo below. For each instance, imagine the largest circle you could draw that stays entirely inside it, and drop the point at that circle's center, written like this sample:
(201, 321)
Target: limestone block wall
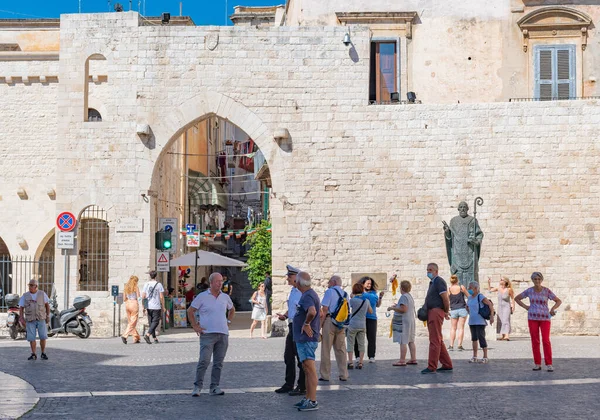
(28, 147)
(356, 188)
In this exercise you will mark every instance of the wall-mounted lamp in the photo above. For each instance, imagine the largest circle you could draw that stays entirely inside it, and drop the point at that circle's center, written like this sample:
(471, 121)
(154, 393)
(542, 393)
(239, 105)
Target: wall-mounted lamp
(394, 97)
(347, 41)
(22, 242)
(166, 17)
(412, 97)
(22, 193)
(281, 134)
(51, 193)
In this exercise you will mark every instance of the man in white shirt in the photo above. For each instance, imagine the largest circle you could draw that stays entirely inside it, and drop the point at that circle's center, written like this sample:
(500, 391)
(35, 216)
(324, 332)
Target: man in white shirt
(34, 314)
(290, 354)
(155, 293)
(213, 329)
(332, 336)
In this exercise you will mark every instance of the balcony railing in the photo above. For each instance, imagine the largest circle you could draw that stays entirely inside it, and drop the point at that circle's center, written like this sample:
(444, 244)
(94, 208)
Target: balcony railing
(578, 98)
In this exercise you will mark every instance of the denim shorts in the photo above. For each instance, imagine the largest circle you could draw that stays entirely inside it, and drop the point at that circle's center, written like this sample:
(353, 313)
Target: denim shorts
(306, 351)
(459, 313)
(40, 326)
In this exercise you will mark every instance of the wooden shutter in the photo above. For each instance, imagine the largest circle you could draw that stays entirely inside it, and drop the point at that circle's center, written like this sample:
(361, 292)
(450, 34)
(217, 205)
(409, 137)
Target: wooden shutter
(554, 72)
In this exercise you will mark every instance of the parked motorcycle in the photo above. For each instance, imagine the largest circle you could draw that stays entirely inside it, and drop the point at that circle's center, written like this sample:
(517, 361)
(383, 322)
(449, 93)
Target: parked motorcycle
(73, 320)
(12, 321)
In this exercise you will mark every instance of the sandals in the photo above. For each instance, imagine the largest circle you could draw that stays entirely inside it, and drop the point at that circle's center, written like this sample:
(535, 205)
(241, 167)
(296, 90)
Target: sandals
(473, 360)
(399, 364)
(350, 366)
(412, 362)
(484, 360)
(359, 366)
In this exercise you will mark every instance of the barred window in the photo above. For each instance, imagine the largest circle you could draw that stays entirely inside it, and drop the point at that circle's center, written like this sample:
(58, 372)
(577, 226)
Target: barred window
(93, 250)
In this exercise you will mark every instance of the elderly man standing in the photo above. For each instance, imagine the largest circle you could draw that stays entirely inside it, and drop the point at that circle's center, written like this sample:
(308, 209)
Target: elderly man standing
(290, 355)
(333, 336)
(37, 317)
(213, 330)
(306, 335)
(437, 303)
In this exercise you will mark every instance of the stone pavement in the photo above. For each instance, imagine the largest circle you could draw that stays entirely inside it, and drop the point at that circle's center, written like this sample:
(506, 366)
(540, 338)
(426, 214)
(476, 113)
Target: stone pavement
(102, 379)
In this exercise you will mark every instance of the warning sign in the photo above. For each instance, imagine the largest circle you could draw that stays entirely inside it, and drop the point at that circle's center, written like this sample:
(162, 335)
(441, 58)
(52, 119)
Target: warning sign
(162, 261)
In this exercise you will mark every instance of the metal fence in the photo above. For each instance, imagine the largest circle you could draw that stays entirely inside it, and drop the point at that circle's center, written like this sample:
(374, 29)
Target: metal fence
(543, 99)
(93, 250)
(16, 272)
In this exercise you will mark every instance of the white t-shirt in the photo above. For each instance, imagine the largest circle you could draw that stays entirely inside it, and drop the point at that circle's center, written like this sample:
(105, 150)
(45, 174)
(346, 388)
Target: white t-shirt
(154, 300)
(33, 297)
(330, 298)
(212, 311)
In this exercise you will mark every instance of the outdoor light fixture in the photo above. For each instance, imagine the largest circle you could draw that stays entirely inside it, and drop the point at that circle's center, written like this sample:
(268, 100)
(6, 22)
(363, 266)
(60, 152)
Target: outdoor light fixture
(347, 40)
(395, 97)
(166, 17)
(118, 7)
(412, 97)
(22, 193)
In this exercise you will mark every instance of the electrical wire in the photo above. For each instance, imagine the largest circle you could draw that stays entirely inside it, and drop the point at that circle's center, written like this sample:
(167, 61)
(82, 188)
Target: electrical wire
(23, 14)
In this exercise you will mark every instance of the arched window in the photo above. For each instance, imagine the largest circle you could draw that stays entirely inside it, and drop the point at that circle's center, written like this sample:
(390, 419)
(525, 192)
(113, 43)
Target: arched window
(93, 250)
(45, 264)
(95, 73)
(94, 115)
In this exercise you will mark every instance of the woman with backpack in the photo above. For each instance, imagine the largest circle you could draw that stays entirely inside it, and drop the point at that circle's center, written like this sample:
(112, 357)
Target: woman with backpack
(404, 325)
(370, 293)
(480, 308)
(357, 327)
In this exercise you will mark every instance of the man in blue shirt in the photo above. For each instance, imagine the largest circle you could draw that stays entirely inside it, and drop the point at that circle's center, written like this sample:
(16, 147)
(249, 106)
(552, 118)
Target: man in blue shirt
(306, 335)
(290, 355)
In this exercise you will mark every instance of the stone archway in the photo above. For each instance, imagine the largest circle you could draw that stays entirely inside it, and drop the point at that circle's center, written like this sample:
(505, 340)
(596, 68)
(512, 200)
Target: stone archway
(206, 105)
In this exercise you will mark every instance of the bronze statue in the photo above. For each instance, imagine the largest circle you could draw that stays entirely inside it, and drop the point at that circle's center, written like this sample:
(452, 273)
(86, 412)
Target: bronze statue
(463, 243)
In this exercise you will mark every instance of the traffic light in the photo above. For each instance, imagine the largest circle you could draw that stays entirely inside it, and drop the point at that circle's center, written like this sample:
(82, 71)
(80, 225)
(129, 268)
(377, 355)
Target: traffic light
(162, 240)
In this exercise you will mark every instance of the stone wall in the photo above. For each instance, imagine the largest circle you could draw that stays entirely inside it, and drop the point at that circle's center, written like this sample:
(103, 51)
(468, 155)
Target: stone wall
(357, 188)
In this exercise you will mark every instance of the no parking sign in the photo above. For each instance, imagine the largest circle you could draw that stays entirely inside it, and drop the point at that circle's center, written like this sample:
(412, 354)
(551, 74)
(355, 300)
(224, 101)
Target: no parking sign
(66, 221)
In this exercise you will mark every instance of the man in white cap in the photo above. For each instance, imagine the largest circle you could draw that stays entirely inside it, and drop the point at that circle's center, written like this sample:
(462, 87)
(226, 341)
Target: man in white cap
(34, 313)
(290, 354)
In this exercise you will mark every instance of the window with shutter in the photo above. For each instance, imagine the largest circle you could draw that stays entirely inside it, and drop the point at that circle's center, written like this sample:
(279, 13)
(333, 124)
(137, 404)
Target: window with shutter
(554, 72)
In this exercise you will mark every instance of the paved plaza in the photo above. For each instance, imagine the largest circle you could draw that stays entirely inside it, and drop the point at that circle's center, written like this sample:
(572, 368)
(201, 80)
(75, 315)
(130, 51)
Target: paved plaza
(102, 378)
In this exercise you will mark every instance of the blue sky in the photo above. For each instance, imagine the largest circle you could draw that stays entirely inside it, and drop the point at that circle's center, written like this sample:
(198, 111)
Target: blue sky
(203, 12)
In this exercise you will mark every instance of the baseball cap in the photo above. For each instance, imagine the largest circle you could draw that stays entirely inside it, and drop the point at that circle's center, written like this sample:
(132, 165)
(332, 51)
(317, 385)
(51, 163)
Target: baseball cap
(292, 270)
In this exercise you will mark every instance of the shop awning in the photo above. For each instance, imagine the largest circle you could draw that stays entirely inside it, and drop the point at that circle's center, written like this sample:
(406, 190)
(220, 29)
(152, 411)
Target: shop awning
(205, 193)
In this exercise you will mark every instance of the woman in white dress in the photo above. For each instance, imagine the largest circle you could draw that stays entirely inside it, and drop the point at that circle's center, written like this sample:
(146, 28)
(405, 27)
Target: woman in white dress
(259, 310)
(404, 325)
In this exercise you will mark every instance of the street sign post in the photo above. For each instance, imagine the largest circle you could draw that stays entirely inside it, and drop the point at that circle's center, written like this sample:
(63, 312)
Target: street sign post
(65, 240)
(170, 224)
(66, 222)
(162, 261)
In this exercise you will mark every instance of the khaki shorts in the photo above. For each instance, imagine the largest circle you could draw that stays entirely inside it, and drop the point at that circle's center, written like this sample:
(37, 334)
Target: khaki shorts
(358, 336)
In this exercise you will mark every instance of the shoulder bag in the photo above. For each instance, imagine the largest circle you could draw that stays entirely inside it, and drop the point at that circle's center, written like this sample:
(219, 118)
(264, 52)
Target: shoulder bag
(484, 310)
(145, 300)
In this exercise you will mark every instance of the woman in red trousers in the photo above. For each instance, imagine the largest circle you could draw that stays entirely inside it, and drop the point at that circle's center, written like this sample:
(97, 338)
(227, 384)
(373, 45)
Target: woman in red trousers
(538, 317)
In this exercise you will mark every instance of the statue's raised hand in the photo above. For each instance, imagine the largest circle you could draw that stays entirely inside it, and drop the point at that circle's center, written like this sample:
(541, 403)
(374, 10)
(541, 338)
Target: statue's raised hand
(446, 227)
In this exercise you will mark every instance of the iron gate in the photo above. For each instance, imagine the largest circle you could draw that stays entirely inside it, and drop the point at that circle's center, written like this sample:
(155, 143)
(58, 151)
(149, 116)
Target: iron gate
(93, 250)
(16, 272)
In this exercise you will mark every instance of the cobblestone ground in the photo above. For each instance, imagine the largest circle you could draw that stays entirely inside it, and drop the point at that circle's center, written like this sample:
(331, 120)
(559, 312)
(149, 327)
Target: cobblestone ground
(504, 389)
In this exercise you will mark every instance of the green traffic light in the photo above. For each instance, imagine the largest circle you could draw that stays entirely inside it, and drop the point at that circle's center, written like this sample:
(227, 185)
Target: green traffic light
(166, 244)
